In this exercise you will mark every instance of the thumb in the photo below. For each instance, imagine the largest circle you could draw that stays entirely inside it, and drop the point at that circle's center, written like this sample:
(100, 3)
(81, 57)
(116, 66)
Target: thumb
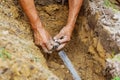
(58, 36)
(64, 39)
(61, 46)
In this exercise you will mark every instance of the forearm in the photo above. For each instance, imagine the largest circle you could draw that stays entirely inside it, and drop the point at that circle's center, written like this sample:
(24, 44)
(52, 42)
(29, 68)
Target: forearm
(74, 8)
(30, 10)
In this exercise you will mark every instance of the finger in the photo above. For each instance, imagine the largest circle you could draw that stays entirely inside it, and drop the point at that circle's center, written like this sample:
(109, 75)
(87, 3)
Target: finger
(36, 41)
(61, 46)
(45, 49)
(57, 37)
(49, 46)
(65, 39)
(53, 43)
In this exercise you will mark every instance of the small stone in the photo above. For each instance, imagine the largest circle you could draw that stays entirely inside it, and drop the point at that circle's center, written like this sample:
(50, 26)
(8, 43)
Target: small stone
(67, 71)
(53, 78)
(116, 16)
(31, 67)
(62, 66)
(105, 22)
(5, 32)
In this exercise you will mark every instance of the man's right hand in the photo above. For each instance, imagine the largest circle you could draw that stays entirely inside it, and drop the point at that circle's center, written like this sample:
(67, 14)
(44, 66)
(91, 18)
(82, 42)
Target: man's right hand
(43, 39)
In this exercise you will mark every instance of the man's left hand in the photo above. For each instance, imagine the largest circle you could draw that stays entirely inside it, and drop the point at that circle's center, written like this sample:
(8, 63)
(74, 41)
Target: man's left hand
(63, 37)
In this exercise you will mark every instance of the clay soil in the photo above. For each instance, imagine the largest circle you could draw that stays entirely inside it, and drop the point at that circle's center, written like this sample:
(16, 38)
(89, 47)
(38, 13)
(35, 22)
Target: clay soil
(84, 49)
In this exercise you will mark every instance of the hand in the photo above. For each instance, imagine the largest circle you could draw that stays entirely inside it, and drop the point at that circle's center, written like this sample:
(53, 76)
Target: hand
(43, 39)
(63, 37)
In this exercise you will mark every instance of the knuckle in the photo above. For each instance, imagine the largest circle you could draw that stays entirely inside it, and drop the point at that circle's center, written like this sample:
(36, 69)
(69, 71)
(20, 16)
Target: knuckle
(49, 52)
(45, 42)
(45, 51)
(42, 43)
(68, 39)
(36, 43)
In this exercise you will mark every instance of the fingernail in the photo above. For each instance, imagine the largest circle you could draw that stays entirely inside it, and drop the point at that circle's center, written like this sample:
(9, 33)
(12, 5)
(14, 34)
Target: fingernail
(54, 38)
(58, 49)
(50, 52)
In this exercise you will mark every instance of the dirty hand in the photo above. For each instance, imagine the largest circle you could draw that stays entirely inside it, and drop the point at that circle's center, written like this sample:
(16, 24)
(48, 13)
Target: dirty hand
(63, 37)
(43, 39)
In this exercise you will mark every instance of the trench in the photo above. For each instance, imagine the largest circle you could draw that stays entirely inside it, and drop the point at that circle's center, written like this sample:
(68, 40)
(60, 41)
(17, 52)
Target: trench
(84, 50)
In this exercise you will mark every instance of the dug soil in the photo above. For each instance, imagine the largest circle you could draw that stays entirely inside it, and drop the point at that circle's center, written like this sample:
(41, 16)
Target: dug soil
(84, 50)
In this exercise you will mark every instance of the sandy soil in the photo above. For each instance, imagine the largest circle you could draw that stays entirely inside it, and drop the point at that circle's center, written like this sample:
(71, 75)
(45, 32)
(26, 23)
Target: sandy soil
(84, 50)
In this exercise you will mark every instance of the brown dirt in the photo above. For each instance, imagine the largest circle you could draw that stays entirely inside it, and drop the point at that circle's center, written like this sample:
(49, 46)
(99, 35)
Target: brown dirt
(84, 50)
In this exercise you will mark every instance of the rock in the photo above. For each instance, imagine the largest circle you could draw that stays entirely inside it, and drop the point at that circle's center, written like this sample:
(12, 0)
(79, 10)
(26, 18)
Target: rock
(113, 66)
(106, 27)
(62, 66)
